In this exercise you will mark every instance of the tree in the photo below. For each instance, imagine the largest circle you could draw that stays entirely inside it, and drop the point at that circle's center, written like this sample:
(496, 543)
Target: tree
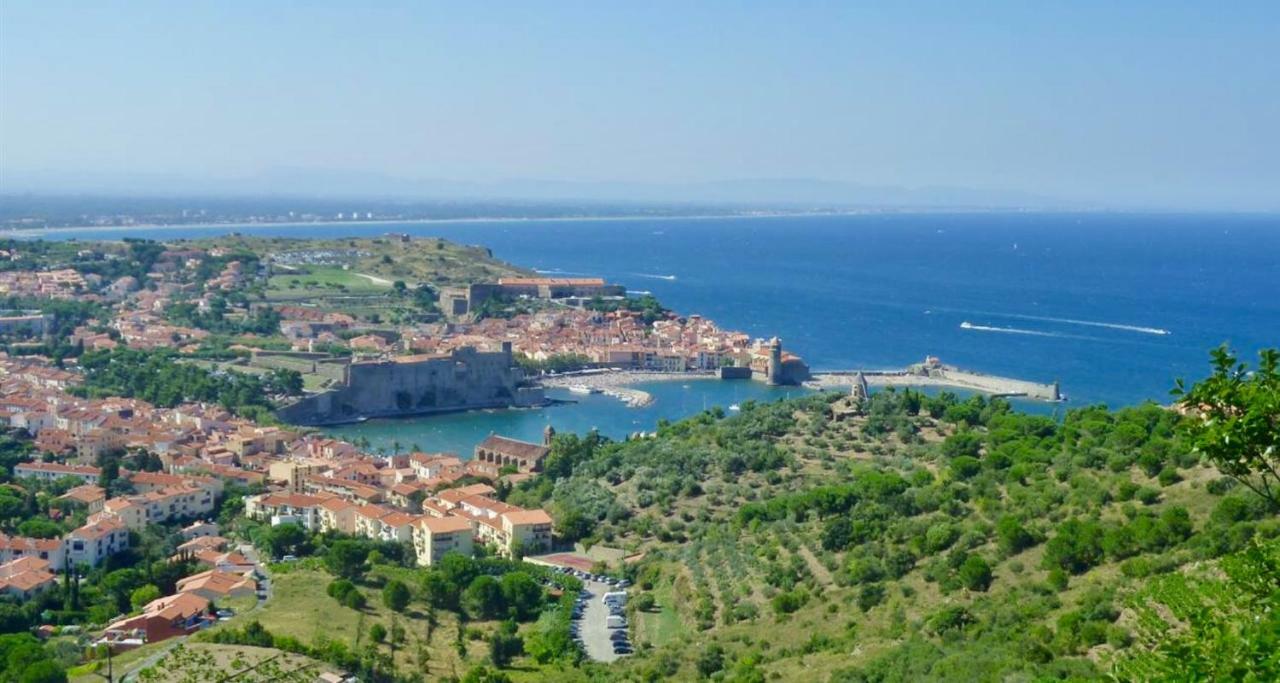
(346, 558)
(284, 539)
(141, 596)
(483, 598)
(837, 534)
(1013, 537)
(1075, 547)
(395, 595)
(439, 591)
(377, 633)
(522, 595)
(47, 671)
(1235, 420)
(645, 602)
(711, 660)
(504, 645)
(975, 573)
(40, 528)
(549, 639)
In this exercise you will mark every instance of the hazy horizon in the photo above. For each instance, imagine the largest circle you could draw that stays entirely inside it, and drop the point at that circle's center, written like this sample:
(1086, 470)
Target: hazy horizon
(1163, 106)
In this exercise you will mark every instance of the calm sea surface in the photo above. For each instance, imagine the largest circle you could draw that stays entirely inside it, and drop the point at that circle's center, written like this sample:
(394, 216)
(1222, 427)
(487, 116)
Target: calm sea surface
(1115, 306)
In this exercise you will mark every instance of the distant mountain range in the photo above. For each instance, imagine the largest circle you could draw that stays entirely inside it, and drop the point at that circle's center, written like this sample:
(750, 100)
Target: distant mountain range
(779, 193)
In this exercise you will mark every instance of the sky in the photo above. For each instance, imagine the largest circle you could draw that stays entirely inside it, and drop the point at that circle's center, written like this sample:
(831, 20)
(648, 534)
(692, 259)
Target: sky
(1137, 104)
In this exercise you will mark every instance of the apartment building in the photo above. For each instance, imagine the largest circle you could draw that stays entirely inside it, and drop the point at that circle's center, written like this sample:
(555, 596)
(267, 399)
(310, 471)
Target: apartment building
(52, 471)
(433, 537)
(96, 541)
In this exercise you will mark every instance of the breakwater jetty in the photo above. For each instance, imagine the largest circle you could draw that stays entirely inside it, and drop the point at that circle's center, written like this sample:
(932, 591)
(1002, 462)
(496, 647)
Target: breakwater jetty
(933, 373)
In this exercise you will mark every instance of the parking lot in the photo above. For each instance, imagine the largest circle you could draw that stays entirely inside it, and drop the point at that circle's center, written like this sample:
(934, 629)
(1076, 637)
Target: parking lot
(591, 625)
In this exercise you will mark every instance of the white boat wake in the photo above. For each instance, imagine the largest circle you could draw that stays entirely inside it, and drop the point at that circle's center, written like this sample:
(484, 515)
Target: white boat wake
(668, 278)
(966, 325)
(1091, 323)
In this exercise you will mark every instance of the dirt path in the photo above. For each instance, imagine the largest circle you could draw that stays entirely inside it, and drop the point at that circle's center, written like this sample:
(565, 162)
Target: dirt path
(376, 280)
(820, 572)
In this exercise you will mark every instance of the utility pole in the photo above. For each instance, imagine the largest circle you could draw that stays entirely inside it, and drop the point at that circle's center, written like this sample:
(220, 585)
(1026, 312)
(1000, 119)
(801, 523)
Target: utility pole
(110, 673)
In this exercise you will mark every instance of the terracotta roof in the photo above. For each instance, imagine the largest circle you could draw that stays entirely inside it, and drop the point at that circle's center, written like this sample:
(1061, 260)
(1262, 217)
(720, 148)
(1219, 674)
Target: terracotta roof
(515, 448)
(215, 581)
(99, 528)
(23, 564)
(86, 493)
(59, 468)
(527, 517)
(179, 606)
(445, 525)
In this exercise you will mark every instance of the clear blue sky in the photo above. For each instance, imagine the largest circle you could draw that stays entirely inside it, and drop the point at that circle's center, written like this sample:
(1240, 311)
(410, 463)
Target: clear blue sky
(1135, 103)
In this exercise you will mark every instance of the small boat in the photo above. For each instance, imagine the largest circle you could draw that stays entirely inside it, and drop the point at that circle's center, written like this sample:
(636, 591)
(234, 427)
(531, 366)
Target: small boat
(735, 407)
(582, 389)
(966, 325)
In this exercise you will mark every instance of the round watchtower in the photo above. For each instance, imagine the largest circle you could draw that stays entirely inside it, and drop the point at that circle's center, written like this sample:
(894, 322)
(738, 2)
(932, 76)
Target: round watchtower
(775, 361)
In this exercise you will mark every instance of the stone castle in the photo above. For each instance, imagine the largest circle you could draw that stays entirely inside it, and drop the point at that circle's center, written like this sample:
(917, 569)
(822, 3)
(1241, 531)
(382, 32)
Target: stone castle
(464, 379)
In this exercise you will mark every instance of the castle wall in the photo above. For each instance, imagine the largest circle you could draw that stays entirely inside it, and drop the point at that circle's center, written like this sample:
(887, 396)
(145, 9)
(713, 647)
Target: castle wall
(464, 380)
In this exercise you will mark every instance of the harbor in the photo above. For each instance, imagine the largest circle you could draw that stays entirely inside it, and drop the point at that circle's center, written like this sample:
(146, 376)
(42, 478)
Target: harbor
(617, 384)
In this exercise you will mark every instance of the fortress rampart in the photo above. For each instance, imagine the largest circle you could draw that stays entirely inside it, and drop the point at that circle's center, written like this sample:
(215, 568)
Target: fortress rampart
(465, 379)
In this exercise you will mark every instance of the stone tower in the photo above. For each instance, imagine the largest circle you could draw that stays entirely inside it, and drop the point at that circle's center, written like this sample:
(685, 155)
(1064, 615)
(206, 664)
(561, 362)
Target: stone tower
(859, 391)
(547, 435)
(775, 361)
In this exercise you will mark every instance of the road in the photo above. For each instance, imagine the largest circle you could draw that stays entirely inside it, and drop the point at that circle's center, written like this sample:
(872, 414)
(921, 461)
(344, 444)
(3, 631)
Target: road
(250, 553)
(595, 635)
(131, 674)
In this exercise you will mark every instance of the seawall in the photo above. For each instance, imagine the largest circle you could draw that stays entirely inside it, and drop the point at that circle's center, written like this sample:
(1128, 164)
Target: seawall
(941, 376)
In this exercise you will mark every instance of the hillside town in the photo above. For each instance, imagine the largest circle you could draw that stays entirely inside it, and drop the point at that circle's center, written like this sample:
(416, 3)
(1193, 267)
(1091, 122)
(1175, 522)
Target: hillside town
(153, 398)
(319, 483)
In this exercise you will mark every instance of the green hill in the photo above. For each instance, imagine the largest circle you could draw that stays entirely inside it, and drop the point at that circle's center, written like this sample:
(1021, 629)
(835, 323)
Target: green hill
(928, 539)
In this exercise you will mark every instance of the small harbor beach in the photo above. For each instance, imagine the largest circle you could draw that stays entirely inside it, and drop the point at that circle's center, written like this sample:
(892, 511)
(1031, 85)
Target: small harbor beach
(619, 383)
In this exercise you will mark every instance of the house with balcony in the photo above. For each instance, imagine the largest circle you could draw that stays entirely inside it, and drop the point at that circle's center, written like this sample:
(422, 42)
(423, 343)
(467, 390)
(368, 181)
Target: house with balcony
(433, 537)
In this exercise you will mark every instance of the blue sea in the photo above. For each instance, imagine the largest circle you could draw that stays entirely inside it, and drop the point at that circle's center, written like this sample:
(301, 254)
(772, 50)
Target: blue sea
(1114, 306)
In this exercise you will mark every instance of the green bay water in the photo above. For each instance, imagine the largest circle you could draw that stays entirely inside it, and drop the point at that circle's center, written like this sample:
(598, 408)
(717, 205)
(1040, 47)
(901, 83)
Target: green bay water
(460, 432)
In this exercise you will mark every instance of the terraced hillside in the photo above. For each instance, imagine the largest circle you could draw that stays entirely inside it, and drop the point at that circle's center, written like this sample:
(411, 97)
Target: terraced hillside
(929, 538)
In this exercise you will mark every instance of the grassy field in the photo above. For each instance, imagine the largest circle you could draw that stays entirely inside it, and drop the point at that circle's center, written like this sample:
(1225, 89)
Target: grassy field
(214, 662)
(424, 259)
(299, 607)
(663, 624)
(312, 281)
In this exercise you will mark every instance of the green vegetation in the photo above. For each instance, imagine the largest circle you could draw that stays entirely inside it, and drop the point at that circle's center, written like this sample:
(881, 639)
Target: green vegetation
(933, 538)
(305, 283)
(156, 377)
(419, 260)
(23, 659)
(212, 663)
(649, 308)
(1237, 420)
(389, 620)
(263, 321)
